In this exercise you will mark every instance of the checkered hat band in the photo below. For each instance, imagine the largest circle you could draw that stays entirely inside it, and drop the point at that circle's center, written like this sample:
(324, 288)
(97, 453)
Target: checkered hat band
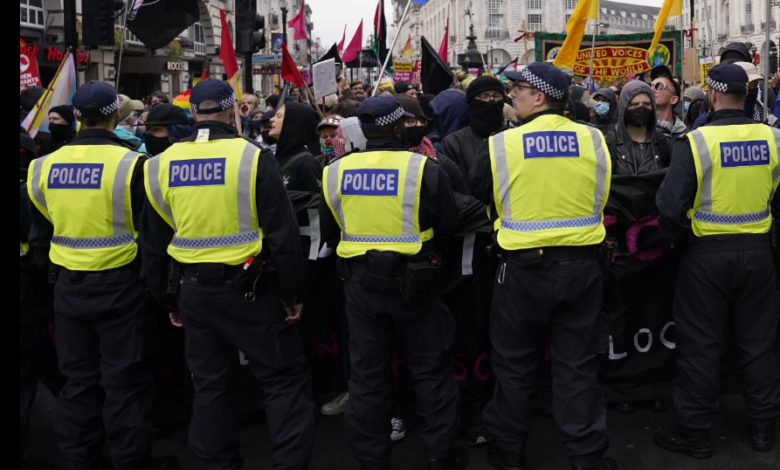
(390, 118)
(223, 104)
(105, 110)
(718, 86)
(542, 85)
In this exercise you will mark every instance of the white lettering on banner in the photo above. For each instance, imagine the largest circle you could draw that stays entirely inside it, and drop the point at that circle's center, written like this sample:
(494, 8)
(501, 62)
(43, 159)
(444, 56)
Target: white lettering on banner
(649, 340)
(613, 356)
(666, 342)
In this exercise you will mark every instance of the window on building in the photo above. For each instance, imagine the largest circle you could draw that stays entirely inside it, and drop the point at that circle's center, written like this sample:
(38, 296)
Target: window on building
(571, 4)
(534, 4)
(604, 10)
(195, 33)
(748, 12)
(130, 38)
(623, 14)
(726, 18)
(535, 22)
(611, 12)
(644, 17)
(31, 13)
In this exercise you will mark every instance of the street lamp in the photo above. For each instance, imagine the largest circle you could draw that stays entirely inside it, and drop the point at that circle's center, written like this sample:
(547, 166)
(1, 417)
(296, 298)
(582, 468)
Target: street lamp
(283, 7)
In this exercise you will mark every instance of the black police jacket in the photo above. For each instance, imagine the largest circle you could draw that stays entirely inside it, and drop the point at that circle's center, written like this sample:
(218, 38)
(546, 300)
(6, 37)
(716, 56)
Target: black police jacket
(678, 191)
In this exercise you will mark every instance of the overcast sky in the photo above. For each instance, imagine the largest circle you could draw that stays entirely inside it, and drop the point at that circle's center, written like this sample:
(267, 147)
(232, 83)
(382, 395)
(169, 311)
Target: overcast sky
(330, 16)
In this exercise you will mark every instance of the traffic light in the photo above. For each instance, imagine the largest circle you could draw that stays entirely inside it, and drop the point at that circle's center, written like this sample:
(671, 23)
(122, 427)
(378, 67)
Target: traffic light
(98, 21)
(250, 25)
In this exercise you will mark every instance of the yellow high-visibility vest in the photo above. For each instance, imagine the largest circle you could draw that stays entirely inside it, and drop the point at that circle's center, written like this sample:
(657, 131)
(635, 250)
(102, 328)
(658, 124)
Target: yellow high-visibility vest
(84, 190)
(375, 198)
(738, 174)
(551, 180)
(206, 191)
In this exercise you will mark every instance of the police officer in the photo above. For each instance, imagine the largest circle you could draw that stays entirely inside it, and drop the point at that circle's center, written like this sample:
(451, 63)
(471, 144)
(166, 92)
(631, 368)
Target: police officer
(218, 206)
(87, 200)
(548, 181)
(717, 199)
(383, 211)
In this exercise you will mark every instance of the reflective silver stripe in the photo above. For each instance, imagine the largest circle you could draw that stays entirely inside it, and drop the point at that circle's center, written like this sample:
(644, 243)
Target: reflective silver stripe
(245, 188)
(243, 238)
(35, 184)
(314, 227)
(415, 238)
(466, 267)
(153, 180)
(413, 170)
(502, 173)
(705, 160)
(333, 192)
(731, 219)
(94, 242)
(119, 221)
(536, 225)
(601, 170)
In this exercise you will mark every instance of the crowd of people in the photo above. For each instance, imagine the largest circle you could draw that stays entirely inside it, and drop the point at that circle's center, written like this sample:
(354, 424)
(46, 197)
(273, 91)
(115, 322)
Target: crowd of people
(171, 224)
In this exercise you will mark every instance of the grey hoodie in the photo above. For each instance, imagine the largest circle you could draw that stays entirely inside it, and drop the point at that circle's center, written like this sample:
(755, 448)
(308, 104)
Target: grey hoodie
(630, 90)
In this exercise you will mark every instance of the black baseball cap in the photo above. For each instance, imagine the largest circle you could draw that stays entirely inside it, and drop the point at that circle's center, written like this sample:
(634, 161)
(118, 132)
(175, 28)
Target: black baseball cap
(167, 115)
(101, 95)
(728, 78)
(545, 77)
(212, 90)
(380, 111)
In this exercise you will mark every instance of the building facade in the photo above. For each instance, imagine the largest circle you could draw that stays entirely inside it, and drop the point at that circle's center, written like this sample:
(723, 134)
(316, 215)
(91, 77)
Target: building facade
(498, 22)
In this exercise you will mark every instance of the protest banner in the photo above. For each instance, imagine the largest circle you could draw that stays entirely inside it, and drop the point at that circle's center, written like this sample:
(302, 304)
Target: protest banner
(402, 71)
(29, 75)
(615, 55)
(324, 78)
(416, 73)
(705, 65)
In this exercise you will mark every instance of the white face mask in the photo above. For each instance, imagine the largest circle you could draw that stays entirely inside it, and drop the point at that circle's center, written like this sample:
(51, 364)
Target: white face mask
(130, 125)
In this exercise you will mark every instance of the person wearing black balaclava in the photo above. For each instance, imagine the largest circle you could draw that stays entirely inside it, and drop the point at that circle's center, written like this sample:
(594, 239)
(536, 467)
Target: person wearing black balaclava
(166, 125)
(61, 129)
(265, 130)
(485, 98)
(294, 126)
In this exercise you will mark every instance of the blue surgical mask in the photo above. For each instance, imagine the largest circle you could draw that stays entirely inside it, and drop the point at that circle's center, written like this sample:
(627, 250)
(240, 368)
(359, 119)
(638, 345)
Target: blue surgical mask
(602, 109)
(687, 106)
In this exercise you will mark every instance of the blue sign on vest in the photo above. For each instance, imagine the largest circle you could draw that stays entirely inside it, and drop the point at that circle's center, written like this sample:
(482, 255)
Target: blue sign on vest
(369, 183)
(549, 144)
(75, 176)
(200, 172)
(745, 153)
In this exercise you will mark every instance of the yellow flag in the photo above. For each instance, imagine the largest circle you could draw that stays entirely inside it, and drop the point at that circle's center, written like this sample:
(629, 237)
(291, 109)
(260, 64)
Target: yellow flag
(575, 29)
(670, 8)
(594, 10)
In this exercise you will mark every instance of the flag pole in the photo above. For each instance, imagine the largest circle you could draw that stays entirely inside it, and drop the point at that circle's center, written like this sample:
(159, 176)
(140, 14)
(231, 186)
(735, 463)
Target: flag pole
(766, 60)
(121, 50)
(525, 42)
(48, 90)
(593, 53)
(693, 46)
(709, 32)
(392, 45)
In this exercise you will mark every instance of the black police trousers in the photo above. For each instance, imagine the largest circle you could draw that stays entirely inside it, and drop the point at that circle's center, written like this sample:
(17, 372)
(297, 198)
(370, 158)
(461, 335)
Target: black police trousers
(715, 291)
(424, 332)
(37, 356)
(102, 343)
(556, 303)
(218, 323)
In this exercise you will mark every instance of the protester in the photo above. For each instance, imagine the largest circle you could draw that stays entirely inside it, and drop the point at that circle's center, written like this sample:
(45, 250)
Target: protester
(693, 97)
(431, 130)
(406, 88)
(127, 126)
(346, 108)
(756, 94)
(158, 98)
(353, 135)
(452, 114)
(294, 126)
(577, 112)
(61, 128)
(357, 87)
(27, 100)
(606, 110)
(485, 99)
(415, 126)
(166, 125)
(667, 95)
(272, 102)
(331, 143)
(265, 138)
(635, 145)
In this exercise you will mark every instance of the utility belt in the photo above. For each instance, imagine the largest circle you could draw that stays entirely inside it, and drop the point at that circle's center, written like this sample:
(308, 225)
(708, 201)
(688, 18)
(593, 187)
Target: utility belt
(387, 272)
(537, 256)
(133, 269)
(253, 277)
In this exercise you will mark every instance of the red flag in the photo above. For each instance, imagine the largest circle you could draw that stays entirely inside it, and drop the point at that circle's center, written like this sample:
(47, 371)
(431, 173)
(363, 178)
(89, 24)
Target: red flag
(290, 71)
(378, 17)
(298, 23)
(205, 74)
(227, 54)
(444, 42)
(355, 46)
(340, 47)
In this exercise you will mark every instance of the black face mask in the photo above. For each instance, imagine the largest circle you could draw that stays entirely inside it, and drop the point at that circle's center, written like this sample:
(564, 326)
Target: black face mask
(486, 117)
(267, 139)
(60, 130)
(157, 145)
(415, 135)
(695, 109)
(639, 117)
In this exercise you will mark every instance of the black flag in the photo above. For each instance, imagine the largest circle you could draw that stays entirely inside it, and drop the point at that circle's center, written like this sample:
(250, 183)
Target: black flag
(157, 23)
(435, 75)
(333, 53)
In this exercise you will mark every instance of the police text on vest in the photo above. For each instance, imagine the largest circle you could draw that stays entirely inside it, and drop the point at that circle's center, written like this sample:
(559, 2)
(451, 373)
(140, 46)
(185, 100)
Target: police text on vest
(75, 175)
(369, 182)
(199, 172)
(548, 144)
(746, 153)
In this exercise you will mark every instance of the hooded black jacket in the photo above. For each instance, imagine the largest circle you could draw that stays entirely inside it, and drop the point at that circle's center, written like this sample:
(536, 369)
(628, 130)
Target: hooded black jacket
(298, 130)
(464, 148)
(606, 124)
(634, 158)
